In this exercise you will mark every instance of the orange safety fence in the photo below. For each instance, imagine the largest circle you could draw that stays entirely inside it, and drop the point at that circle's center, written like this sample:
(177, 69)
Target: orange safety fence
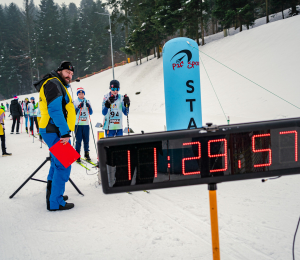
(94, 73)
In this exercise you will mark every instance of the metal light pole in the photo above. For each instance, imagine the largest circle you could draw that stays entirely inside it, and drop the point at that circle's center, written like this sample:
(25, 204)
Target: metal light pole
(111, 46)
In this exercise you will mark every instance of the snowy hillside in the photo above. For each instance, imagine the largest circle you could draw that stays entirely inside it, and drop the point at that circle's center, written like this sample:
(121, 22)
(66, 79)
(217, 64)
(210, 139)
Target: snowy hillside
(256, 220)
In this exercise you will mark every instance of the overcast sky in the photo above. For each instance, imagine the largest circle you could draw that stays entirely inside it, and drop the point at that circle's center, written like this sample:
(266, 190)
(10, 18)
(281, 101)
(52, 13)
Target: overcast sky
(37, 2)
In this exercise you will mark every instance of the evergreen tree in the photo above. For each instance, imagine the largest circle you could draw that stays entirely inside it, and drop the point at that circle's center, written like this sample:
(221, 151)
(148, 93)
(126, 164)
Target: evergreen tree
(49, 36)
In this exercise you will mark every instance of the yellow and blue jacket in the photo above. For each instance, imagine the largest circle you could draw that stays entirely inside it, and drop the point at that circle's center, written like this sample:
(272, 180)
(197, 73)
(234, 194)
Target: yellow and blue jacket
(56, 106)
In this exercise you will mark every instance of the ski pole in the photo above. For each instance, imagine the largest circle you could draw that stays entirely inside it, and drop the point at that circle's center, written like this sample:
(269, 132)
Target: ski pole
(127, 116)
(32, 129)
(109, 118)
(93, 133)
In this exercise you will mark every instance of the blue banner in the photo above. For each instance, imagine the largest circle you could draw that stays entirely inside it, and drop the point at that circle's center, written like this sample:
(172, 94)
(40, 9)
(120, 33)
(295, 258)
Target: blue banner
(182, 84)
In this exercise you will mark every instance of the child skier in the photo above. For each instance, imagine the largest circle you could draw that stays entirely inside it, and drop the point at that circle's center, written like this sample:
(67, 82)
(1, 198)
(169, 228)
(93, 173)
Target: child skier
(113, 106)
(82, 129)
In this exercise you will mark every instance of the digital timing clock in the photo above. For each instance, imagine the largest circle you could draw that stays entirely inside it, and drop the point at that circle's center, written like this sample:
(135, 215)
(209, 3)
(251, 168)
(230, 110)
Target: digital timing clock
(198, 156)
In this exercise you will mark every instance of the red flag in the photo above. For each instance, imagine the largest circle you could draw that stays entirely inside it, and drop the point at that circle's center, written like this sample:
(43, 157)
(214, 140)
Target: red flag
(65, 153)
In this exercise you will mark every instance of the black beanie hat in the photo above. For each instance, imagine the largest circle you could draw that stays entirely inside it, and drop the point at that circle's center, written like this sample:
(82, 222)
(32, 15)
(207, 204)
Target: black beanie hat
(65, 65)
(114, 84)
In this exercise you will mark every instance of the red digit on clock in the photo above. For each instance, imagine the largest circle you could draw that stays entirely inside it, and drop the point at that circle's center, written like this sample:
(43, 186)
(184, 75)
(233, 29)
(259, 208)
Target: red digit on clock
(219, 155)
(261, 150)
(191, 158)
(296, 141)
(129, 168)
(155, 164)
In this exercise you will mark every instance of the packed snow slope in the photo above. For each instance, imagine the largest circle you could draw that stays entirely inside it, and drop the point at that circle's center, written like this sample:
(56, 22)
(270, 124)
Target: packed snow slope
(256, 220)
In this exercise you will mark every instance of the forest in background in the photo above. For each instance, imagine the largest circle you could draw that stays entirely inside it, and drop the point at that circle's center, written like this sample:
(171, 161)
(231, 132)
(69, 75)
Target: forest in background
(35, 39)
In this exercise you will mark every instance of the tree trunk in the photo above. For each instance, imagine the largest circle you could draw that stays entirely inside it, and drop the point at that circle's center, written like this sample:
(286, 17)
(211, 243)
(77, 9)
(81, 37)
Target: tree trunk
(282, 11)
(225, 32)
(28, 35)
(201, 21)
(235, 26)
(158, 53)
(197, 32)
(126, 30)
(213, 25)
(140, 57)
(294, 7)
(136, 58)
(181, 32)
(267, 11)
(216, 26)
(241, 25)
(154, 52)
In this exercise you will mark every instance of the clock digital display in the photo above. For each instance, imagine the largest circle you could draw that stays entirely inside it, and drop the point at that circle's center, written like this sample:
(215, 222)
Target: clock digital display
(199, 156)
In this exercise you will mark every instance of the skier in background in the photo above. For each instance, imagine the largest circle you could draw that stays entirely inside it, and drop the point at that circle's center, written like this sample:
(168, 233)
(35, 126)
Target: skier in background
(3, 107)
(82, 128)
(113, 105)
(26, 113)
(33, 115)
(7, 106)
(2, 133)
(16, 112)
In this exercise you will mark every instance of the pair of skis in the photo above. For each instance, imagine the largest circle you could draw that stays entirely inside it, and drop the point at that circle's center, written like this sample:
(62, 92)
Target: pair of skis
(143, 191)
(90, 162)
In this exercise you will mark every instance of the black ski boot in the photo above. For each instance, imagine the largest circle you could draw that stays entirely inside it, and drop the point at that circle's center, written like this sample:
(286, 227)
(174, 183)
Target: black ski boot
(6, 154)
(87, 156)
(48, 193)
(78, 160)
(66, 207)
(27, 130)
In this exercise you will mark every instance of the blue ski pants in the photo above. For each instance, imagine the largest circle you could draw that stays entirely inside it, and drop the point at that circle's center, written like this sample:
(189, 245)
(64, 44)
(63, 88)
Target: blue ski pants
(58, 174)
(113, 133)
(82, 133)
(26, 120)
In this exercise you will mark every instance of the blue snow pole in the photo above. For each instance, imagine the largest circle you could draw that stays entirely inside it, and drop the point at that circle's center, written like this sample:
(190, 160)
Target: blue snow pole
(182, 84)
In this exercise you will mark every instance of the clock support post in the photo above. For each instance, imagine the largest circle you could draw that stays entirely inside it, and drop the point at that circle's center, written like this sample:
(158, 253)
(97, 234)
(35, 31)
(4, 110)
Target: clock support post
(212, 187)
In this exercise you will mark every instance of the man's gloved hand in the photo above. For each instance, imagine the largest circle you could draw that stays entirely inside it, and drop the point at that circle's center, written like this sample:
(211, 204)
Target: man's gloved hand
(126, 101)
(65, 138)
(87, 105)
(80, 105)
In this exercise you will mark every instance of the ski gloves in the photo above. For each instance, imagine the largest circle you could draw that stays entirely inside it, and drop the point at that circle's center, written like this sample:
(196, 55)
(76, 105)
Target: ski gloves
(126, 101)
(109, 101)
(81, 105)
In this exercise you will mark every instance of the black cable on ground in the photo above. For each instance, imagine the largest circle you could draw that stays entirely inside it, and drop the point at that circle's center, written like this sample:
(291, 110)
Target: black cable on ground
(295, 239)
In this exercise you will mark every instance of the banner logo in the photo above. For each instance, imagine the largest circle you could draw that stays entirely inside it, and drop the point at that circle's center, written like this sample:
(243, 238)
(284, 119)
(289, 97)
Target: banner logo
(179, 62)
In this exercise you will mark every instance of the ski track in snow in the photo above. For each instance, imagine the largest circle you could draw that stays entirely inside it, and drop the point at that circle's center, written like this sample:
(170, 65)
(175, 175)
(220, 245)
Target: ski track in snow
(256, 220)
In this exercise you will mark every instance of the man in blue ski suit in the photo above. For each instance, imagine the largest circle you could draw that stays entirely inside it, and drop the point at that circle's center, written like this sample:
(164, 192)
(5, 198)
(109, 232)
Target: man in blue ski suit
(113, 106)
(83, 110)
(57, 121)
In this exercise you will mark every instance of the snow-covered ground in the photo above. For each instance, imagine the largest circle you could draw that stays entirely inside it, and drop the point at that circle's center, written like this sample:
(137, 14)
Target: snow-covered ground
(256, 220)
